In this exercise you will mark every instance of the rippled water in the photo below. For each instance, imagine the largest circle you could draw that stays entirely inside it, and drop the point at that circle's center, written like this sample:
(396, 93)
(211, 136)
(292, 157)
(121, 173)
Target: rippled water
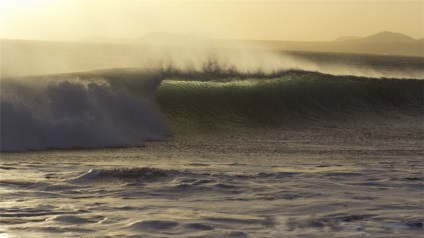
(307, 182)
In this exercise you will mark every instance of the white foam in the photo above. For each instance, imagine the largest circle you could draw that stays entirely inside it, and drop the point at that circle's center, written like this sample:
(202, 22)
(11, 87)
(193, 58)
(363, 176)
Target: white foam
(71, 113)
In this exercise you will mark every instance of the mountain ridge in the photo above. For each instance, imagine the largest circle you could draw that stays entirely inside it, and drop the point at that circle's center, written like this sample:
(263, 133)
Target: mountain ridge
(387, 36)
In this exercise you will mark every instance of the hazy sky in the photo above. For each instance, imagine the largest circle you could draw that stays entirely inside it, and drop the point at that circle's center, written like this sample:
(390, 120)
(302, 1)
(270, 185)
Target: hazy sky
(264, 20)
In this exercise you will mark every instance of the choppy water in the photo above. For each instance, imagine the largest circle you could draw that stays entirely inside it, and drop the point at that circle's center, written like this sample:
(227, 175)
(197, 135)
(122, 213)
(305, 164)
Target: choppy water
(309, 182)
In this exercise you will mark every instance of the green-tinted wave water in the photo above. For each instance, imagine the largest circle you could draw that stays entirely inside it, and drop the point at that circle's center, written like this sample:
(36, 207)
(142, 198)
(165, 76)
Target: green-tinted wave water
(288, 98)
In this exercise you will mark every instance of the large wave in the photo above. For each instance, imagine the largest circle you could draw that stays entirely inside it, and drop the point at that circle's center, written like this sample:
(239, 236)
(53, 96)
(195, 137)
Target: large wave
(86, 110)
(123, 107)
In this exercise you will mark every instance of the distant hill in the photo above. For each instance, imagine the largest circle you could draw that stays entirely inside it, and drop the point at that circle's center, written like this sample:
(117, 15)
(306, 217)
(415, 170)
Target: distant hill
(345, 38)
(385, 37)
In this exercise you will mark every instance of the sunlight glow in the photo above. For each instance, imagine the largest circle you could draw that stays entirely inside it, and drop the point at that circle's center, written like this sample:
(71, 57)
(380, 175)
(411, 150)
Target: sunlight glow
(260, 20)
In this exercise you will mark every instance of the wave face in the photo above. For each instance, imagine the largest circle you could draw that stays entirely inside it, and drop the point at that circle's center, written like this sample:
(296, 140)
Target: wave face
(90, 110)
(290, 98)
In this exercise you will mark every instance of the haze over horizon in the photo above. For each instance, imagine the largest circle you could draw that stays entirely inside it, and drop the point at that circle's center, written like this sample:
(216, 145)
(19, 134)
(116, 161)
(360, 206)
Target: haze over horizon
(282, 20)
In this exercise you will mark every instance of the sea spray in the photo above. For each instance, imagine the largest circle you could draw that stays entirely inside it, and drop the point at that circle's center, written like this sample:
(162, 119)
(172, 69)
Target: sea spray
(64, 111)
(41, 58)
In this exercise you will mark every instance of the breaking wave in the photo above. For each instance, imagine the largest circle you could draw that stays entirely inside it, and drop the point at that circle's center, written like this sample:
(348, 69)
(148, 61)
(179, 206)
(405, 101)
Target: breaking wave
(91, 110)
(126, 107)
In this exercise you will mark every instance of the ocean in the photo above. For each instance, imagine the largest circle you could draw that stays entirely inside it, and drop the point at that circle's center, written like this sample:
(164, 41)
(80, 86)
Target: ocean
(330, 147)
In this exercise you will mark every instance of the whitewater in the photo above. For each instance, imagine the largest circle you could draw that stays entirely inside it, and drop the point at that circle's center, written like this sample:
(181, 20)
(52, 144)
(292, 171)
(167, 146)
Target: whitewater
(222, 145)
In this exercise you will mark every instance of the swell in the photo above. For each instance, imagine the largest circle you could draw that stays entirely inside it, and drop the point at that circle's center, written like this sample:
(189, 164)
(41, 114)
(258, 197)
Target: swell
(287, 98)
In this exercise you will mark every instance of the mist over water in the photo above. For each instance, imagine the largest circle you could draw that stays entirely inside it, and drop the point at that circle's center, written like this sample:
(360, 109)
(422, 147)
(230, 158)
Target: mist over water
(244, 61)
(26, 58)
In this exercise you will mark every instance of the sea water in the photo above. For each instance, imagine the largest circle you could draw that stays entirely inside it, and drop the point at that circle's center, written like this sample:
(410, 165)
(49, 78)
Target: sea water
(221, 154)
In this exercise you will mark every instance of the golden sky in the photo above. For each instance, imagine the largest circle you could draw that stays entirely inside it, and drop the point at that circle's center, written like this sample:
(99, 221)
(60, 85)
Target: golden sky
(262, 20)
